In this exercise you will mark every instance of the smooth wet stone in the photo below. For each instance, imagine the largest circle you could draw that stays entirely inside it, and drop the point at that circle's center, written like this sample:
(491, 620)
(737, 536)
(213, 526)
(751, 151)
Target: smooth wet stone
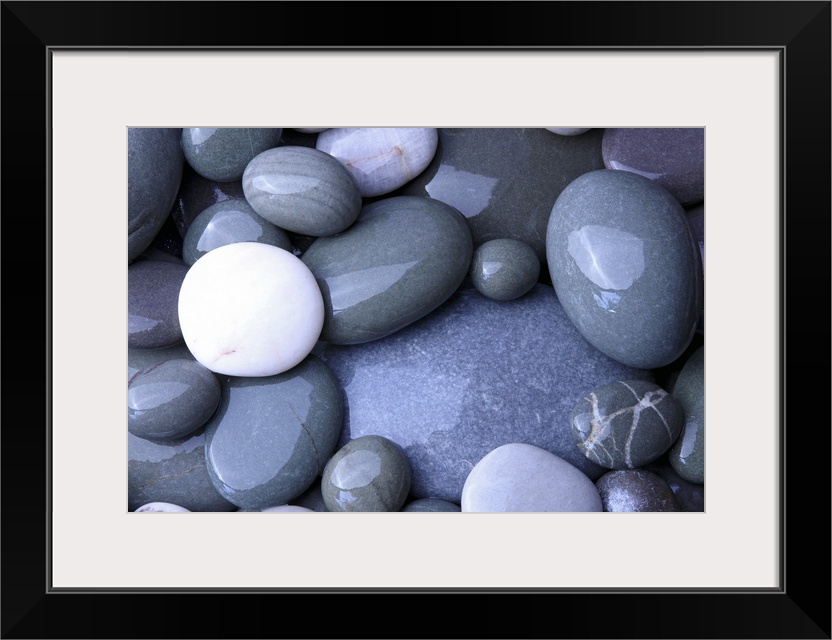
(138, 359)
(271, 437)
(152, 299)
(403, 258)
(154, 171)
(286, 508)
(222, 154)
(250, 309)
(172, 472)
(568, 131)
(380, 159)
(370, 473)
(635, 490)
(687, 456)
(673, 158)
(161, 507)
(689, 495)
(505, 181)
(626, 267)
(423, 505)
(196, 194)
(521, 477)
(228, 222)
(626, 424)
(471, 376)
(171, 400)
(504, 269)
(302, 190)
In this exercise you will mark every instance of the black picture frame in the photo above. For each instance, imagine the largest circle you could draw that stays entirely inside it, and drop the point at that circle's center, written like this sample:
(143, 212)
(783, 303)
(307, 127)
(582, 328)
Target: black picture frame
(800, 608)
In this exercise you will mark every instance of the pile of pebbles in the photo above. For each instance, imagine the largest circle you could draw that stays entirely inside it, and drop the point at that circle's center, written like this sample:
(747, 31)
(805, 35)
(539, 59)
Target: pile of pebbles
(415, 319)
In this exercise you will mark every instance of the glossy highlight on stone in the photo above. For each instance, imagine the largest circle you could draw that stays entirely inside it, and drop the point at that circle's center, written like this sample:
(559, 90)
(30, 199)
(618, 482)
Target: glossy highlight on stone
(222, 153)
(403, 258)
(152, 298)
(504, 269)
(626, 267)
(687, 456)
(635, 490)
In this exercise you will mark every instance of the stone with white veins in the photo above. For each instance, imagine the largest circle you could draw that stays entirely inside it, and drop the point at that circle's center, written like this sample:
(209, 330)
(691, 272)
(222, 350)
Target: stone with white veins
(250, 309)
(522, 477)
(381, 159)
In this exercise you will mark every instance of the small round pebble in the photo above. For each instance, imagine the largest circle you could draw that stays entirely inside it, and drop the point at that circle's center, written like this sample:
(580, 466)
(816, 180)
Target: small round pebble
(152, 294)
(432, 505)
(302, 190)
(162, 507)
(228, 222)
(171, 400)
(250, 309)
(687, 456)
(222, 154)
(635, 490)
(504, 269)
(568, 131)
(370, 473)
(626, 424)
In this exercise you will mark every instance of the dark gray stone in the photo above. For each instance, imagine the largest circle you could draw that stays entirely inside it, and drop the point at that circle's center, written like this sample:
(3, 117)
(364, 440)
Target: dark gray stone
(673, 158)
(505, 181)
(154, 171)
(626, 267)
(171, 400)
(471, 376)
(635, 490)
(228, 222)
(504, 269)
(153, 303)
(312, 498)
(138, 359)
(196, 194)
(222, 154)
(626, 424)
(302, 190)
(424, 505)
(690, 496)
(403, 258)
(370, 473)
(272, 436)
(687, 456)
(171, 472)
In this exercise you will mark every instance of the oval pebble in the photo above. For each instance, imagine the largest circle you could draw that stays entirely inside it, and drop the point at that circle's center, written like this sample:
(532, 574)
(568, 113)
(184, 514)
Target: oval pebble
(425, 505)
(522, 477)
(635, 490)
(162, 507)
(403, 258)
(380, 159)
(152, 299)
(302, 190)
(626, 267)
(568, 131)
(222, 153)
(673, 158)
(250, 309)
(687, 456)
(367, 474)
(271, 437)
(197, 194)
(504, 269)
(286, 508)
(626, 424)
(171, 400)
(228, 222)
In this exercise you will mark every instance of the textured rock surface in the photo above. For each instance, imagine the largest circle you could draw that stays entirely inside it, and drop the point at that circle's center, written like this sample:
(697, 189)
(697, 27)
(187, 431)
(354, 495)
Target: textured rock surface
(222, 154)
(302, 190)
(626, 424)
(370, 473)
(687, 456)
(154, 171)
(403, 258)
(152, 299)
(271, 437)
(228, 222)
(505, 181)
(635, 490)
(471, 376)
(522, 477)
(626, 267)
(504, 269)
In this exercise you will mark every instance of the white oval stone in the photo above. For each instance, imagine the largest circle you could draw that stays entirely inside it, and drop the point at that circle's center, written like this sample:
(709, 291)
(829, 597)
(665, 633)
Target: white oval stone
(567, 131)
(250, 309)
(161, 507)
(381, 159)
(284, 507)
(522, 477)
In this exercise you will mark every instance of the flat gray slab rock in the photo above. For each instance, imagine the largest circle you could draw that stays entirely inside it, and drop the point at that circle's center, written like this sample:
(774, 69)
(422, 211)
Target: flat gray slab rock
(473, 375)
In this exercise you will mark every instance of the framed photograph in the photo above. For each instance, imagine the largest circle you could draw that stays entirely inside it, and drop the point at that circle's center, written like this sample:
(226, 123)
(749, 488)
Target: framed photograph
(754, 75)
